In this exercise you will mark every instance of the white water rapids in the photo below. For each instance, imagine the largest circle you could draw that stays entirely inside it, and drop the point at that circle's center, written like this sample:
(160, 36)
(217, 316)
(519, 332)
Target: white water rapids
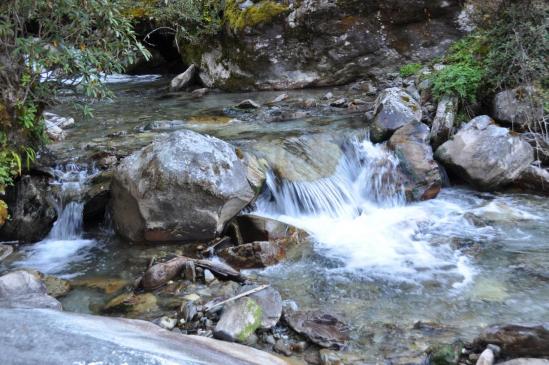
(359, 217)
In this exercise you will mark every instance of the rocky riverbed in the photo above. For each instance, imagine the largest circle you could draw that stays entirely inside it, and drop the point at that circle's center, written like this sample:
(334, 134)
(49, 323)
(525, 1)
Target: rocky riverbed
(317, 225)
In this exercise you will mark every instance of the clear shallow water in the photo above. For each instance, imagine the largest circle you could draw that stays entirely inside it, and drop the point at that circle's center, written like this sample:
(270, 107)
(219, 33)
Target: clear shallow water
(463, 260)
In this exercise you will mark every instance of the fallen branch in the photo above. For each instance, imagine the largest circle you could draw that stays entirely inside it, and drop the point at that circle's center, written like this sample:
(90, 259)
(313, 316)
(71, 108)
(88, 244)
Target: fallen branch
(210, 305)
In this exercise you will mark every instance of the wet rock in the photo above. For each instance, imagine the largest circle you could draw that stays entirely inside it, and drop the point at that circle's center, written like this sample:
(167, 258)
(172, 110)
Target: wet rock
(180, 188)
(525, 361)
(208, 276)
(339, 103)
(248, 104)
(31, 208)
(321, 328)
(164, 125)
(304, 158)
(255, 255)
(239, 320)
(106, 285)
(270, 301)
(516, 340)
(519, 108)
(534, 180)
(282, 347)
(280, 98)
(445, 354)
(97, 197)
(55, 286)
(309, 103)
(189, 311)
(256, 228)
(59, 121)
(329, 95)
(443, 124)
(485, 155)
(184, 79)
(330, 357)
(5, 251)
(131, 304)
(55, 133)
(60, 337)
(256, 170)
(487, 357)
(393, 109)
(21, 289)
(167, 322)
(200, 93)
(190, 272)
(422, 175)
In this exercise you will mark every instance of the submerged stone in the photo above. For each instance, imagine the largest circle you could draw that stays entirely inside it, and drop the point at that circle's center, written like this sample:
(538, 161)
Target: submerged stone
(321, 328)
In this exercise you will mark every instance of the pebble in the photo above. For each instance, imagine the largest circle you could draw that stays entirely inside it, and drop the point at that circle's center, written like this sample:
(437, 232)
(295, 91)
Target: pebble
(486, 357)
(191, 297)
(208, 276)
(282, 348)
(167, 322)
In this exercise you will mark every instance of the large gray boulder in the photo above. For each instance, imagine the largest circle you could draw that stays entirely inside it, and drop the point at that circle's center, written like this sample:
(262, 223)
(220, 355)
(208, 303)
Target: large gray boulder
(520, 108)
(183, 187)
(393, 108)
(50, 337)
(31, 208)
(485, 155)
(422, 176)
(21, 289)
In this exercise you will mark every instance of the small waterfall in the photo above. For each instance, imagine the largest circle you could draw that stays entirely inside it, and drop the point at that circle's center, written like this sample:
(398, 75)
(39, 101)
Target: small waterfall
(65, 243)
(360, 218)
(366, 175)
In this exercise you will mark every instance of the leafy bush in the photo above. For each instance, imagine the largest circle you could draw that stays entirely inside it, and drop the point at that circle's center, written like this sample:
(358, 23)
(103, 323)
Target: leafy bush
(46, 46)
(410, 69)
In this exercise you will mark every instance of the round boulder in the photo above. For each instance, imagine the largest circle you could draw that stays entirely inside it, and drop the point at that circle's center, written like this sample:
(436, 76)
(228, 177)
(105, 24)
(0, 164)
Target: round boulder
(183, 187)
(485, 155)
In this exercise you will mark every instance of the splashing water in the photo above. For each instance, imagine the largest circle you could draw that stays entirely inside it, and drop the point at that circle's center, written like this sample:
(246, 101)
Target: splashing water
(359, 217)
(65, 243)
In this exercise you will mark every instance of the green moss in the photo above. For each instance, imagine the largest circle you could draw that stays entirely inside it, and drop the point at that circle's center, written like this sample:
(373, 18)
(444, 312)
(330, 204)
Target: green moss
(257, 313)
(410, 69)
(263, 12)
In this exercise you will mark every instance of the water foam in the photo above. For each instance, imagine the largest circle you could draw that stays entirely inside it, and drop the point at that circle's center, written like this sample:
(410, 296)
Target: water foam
(359, 217)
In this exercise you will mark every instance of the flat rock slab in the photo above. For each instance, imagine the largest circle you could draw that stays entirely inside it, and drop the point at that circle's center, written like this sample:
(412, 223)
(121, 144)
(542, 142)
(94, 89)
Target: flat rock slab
(52, 337)
(321, 328)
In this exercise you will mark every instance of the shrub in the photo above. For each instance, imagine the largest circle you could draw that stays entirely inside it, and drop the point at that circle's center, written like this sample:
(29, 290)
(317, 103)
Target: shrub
(46, 46)
(410, 69)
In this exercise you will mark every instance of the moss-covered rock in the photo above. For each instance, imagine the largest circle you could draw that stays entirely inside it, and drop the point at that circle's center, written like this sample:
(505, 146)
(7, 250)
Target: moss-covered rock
(261, 13)
(239, 320)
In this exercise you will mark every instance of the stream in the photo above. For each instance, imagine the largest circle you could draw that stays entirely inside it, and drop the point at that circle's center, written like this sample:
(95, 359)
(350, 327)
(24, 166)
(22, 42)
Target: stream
(403, 276)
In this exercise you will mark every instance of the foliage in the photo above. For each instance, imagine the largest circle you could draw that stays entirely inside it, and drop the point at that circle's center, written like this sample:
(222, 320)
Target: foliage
(46, 46)
(259, 13)
(464, 70)
(410, 69)
(189, 20)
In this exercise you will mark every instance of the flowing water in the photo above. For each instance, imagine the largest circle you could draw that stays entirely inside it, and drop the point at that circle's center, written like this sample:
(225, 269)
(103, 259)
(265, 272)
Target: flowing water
(456, 263)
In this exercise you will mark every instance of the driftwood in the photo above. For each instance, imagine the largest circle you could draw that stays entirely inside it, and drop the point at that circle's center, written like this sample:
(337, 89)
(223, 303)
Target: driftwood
(160, 273)
(212, 304)
(220, 269)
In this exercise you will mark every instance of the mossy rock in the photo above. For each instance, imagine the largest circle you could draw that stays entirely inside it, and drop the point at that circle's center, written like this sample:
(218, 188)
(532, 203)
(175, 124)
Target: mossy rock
(261, 13)
(131, 304)
(106, 285)
(445, 354)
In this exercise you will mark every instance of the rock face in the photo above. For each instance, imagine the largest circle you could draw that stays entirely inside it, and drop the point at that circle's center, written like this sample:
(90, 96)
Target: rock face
(184, 79)
(516, 340)
(411, 146)
(517, 107)
(182, 187)
(534, 179)
(21, 289)
(53, 337)
(239, 320)
(32, 211)
(295, 44)
(485, 155)
(393, 109)
(321, 328)
(443, 124)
